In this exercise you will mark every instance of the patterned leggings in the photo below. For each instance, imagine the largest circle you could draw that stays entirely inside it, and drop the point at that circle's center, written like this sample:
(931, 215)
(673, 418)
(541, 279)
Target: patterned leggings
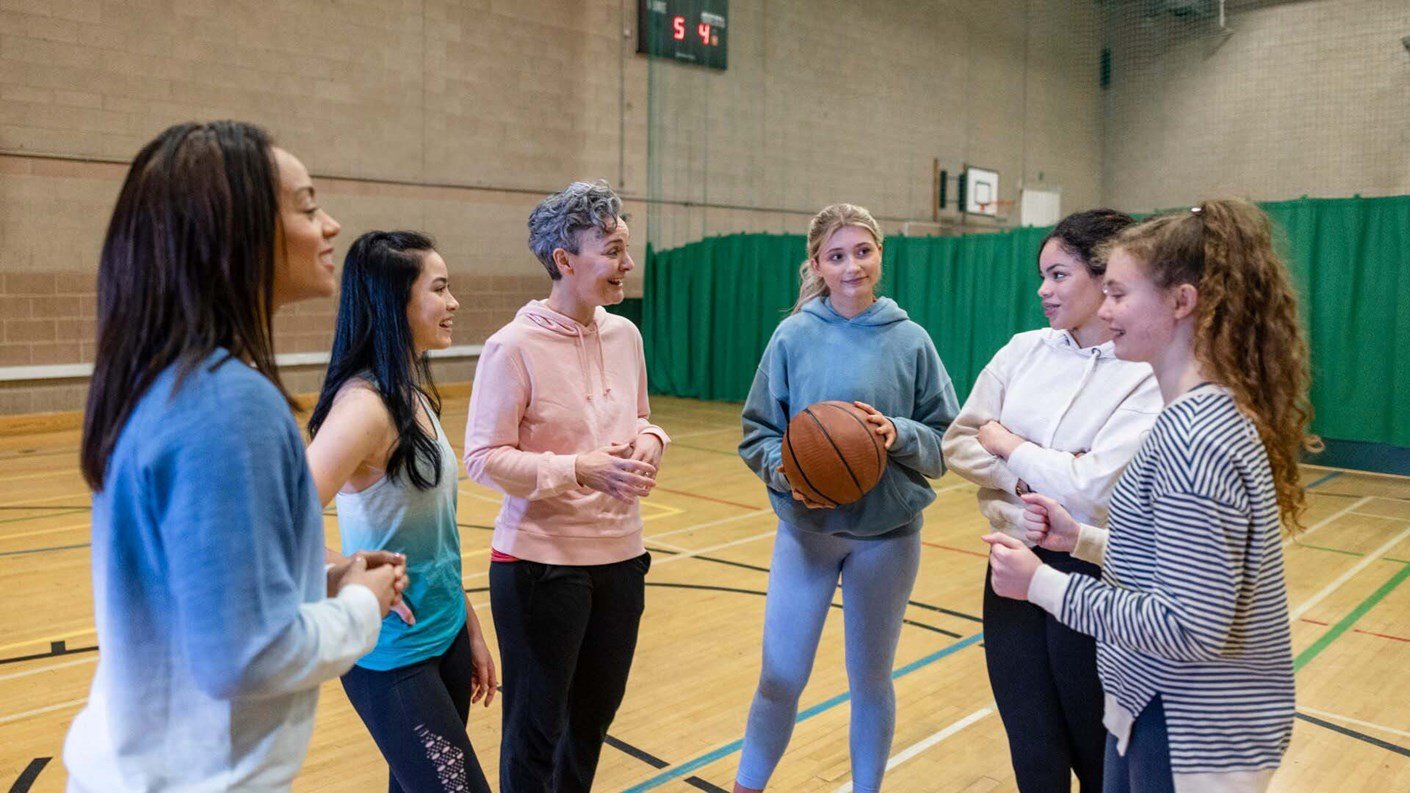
(417, 716)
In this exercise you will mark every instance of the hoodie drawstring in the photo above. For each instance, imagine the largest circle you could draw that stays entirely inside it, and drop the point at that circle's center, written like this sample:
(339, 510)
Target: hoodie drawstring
(1087, 373)
(583, 360)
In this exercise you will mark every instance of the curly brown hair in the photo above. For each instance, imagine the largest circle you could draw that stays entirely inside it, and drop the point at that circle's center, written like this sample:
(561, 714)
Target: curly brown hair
(1247, 335)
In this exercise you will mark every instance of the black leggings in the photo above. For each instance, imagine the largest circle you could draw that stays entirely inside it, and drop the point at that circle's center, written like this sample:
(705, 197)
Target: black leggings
(417, 716)
(1044, 677)
(566, 636)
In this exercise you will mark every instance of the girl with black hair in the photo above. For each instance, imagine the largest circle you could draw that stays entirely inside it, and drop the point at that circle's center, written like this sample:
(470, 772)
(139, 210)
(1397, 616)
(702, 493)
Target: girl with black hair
(213, 605)
(1054, 412)
(378, 447)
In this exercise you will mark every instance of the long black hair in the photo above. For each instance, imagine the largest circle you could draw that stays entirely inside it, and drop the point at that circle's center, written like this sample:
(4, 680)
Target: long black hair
(373, 340)
(187, 268)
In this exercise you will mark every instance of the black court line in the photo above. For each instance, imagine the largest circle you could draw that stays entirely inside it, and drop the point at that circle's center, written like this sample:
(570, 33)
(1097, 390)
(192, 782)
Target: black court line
(916, 603)
(474, 526)
(29, 774)
(951, 612)
(56, 649)
(657, 763)
(43, 550)
(1360, 736)
(640, 754)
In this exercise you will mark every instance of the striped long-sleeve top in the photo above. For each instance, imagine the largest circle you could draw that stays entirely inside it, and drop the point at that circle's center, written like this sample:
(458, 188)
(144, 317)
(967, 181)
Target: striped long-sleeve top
(1192, 605)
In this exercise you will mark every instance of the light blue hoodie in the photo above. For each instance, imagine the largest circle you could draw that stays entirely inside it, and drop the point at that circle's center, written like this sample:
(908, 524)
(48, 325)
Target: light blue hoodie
(879, 357)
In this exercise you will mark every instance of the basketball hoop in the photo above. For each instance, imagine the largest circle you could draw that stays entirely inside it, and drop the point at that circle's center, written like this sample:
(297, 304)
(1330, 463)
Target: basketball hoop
(996, 208)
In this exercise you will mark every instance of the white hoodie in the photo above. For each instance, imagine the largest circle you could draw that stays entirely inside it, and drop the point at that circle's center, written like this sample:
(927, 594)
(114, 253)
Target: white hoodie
(1063, 400)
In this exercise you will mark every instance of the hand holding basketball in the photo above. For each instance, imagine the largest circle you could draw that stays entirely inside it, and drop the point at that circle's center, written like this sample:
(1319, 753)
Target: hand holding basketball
(884, 426)
(612, 470)
(1011, 566)
(799, 495)
(1049, 525)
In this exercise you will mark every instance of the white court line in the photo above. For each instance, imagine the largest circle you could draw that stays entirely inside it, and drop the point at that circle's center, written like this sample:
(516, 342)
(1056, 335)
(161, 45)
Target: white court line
(666, 545)
(1366, 561)
(1347, 719)
(711, 524)
(721, 546)
(37, 711)
(1323, 522)
(43, 669)
(916, 748)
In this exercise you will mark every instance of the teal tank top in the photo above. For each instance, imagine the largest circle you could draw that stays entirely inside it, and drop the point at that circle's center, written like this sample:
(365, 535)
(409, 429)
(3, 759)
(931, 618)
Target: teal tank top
(396, 516)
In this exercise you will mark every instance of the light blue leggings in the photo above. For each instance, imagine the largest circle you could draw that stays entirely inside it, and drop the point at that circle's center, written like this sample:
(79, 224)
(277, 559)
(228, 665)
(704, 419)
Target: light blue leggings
(877, 576)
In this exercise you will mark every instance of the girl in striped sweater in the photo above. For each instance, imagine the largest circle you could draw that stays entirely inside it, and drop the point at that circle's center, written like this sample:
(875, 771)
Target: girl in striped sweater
(1190, 614)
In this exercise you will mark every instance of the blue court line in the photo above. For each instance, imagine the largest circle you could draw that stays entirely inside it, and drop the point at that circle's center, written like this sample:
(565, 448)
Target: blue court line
(1327, 478)
(826, 705)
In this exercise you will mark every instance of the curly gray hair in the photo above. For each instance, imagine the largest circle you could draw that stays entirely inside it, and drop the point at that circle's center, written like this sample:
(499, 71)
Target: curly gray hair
(559, 220)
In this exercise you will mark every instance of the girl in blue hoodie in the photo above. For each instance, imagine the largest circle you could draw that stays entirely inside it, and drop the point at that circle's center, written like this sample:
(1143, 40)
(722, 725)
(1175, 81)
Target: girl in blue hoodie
(842, 342)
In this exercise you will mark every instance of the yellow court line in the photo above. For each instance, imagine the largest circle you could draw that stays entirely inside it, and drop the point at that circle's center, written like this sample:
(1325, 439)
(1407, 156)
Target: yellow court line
(665, 510)
(56, 530)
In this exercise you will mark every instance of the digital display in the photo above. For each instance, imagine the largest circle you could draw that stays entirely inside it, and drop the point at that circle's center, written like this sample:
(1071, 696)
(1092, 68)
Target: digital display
(692, 31)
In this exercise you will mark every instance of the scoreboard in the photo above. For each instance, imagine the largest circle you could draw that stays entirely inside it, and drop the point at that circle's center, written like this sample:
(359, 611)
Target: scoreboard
(690, 31)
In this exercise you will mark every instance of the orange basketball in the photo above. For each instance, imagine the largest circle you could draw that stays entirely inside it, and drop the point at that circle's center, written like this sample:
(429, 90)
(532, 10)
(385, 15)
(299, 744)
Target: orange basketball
(831, 454)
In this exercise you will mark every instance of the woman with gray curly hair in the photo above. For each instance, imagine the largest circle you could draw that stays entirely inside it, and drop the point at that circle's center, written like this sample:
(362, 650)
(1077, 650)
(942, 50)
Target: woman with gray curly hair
(559, 424)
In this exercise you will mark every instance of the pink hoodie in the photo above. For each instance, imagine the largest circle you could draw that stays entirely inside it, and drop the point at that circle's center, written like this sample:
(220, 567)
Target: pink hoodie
(547, 389)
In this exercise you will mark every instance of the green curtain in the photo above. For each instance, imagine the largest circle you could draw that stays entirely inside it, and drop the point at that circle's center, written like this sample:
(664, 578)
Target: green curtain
(1350, 258)
(710, 306)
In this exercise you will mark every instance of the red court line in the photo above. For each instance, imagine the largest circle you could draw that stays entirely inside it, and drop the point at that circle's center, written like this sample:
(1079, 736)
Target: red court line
(707, 498)
(956, 550)
(1368, 633)
(1383, 635)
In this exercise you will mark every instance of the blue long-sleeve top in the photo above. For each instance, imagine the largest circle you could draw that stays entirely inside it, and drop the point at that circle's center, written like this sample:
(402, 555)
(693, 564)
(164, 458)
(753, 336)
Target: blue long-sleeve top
(879, 357)
(210, 594)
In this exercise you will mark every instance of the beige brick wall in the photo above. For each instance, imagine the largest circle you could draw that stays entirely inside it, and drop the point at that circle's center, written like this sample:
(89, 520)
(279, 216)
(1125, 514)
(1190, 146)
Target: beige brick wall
(1301, 98)
(835, 100)
(455, 116)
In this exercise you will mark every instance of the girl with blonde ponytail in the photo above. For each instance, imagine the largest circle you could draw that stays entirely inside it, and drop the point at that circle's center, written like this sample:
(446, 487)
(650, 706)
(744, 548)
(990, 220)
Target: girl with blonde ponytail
(1190, 615)
(829, 221)
(893, 373)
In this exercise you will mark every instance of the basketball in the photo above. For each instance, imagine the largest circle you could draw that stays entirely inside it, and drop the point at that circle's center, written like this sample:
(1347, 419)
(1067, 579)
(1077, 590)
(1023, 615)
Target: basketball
(831, 454)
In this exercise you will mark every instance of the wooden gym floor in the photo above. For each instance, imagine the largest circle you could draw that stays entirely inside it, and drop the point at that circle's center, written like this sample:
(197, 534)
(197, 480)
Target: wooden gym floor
(709, 528)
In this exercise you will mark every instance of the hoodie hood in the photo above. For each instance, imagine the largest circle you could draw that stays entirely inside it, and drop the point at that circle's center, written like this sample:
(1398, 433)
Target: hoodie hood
(1064, 340)
(884, 311)
(537, 313)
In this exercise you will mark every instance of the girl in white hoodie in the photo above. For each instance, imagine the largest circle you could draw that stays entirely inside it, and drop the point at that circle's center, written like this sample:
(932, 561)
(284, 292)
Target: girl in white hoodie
(1055, 412)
